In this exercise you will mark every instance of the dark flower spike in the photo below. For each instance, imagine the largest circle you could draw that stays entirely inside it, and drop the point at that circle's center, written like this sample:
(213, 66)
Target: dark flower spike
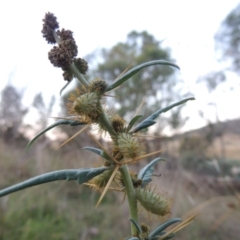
(59, 57)
(50, 24)
(67, 76)
(81, 65)
(80, 175)
(99, 152)
(65, 34)
(132, 122)
(145, 173)
(59, 122)
(137, 226)
(155, 234)
(123, 78)
(149, 121)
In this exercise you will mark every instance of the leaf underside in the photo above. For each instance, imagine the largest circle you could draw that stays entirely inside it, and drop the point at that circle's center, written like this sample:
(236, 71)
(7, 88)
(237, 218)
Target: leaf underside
(59, 122)
(123, 78)
(149, 121)
(158, 230)
(80, 175)
(98, 151)
(146, 173)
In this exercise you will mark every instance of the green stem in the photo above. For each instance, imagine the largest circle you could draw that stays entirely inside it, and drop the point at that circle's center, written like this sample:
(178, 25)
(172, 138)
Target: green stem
(57, 38)
(131, 195)
(130, 191)
(78, 75)
(106, 123)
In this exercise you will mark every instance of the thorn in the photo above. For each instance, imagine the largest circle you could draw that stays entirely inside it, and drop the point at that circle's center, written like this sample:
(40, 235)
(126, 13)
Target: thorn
(68, 140)
(107, 186)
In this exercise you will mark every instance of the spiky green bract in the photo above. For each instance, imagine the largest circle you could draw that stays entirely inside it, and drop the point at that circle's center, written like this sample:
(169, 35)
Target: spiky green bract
(59, 122)
(149, 121)
(145, 173)
(154, 203)
(87, 105)
(129, 146)
(158, 231)
(97, 85)
(118, 123)
(135, 70)
(80, 175)
(99, 152)
(102, 179)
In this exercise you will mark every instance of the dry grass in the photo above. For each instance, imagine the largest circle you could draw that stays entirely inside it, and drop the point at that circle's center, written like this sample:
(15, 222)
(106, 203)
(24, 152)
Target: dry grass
(63, 210)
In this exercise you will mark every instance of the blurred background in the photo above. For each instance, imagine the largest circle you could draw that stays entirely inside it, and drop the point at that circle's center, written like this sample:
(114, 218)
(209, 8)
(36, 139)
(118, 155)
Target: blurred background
(200, 140)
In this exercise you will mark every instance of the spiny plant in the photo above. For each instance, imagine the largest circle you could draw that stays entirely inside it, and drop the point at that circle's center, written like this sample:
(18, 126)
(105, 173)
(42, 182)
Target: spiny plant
(86, 107)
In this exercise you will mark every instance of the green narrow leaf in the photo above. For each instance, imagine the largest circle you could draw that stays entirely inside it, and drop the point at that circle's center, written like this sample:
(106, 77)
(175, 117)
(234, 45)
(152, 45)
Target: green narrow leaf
(80, 175)
(150, 120)
(146, 173)
(133, 121)
(137, 226)
(59, 122)
(64, 87)
(99, 152)
(158, 230)
(135, 70)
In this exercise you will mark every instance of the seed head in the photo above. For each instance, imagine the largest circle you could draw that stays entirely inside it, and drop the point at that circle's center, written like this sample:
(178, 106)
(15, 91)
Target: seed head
(101, 180)
(129, 146)
(86, 106)
(117, 154)
(154, 203)
(118, 123)
(97, 85)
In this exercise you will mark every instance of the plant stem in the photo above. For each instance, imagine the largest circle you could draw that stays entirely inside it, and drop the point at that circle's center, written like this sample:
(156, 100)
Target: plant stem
(107, 124)
(78, 75)
(131, 194)
(130, 191)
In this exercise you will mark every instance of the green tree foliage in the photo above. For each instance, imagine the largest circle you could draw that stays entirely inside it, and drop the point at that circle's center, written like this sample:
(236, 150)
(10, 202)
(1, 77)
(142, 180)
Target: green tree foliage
(12, 113)
(11, 108)
(44, 111)
(228, 39)
(163, 90)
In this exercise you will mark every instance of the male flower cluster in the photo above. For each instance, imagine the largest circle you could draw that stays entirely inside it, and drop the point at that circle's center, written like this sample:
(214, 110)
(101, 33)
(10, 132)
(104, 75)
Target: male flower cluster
(64, 54)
